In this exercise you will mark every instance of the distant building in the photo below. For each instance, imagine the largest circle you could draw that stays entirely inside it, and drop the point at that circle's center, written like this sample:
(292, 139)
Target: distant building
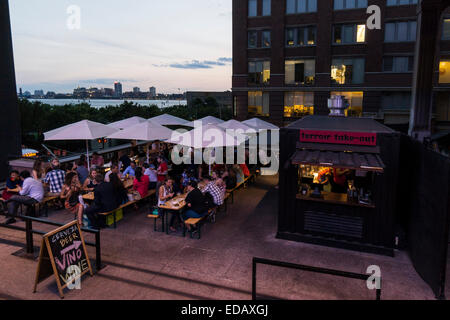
(152, 92)
(136, 90)
(20, 93)
(38, 93)
(117, 89)
(107, 92)
(80, 93)
(224, 99)
(50, 95)
(27, 94)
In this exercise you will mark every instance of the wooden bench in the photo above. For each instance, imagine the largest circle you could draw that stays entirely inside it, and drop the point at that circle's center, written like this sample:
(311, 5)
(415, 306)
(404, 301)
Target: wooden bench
(198, 222)
(125, 205)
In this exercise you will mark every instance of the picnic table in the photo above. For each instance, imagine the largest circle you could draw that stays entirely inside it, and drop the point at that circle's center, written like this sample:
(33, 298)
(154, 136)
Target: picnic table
(127, 183)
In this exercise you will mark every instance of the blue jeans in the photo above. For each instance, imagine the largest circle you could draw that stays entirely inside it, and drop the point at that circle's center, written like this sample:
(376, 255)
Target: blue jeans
(191, 214)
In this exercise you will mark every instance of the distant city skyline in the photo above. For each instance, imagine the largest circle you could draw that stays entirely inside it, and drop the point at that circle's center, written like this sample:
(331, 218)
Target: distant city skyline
(138, 43)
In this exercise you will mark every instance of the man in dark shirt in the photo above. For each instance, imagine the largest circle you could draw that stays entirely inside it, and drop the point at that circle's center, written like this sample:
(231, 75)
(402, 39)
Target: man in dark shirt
(125, 160)
(195, 202)
(105, 200)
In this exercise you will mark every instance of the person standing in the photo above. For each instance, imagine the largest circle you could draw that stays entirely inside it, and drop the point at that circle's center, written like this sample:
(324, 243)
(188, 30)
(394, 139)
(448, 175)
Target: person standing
(31, 192)
(55, 178)
(151, 173)
(82, 171)
(38, 171)
(163, 169)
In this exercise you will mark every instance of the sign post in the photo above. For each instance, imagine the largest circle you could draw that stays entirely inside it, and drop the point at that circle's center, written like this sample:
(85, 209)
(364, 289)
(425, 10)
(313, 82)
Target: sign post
(63, 253)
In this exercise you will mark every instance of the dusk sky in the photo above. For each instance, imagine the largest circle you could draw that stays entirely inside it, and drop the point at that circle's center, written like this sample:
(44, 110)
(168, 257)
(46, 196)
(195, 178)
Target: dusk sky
(168, 44)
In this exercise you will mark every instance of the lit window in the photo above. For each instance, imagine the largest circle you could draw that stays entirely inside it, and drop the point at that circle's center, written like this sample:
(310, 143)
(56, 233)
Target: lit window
(259, 72)
(298, 104)
(348, 71)
(258, 103)
(355, 101)
(300, 72)
(361, 33)
(349, 33)
(266, 39)
(444, 71)
(304, 36)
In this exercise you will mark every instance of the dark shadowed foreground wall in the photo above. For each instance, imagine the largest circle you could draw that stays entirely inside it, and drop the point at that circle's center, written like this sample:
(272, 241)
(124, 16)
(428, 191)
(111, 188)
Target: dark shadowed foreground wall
(10, 136)
(424, 210)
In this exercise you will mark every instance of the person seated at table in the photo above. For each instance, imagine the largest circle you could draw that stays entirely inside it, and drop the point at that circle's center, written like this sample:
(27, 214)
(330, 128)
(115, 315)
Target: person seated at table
(215, 175)
(222, 186)
(97, 160)
(119, 189)
(105, 200)
(195, 203)
(165, 193)
(213, 190)
(229, 177)
(141, 182)
(31, 193)
(38, 170)
(114, 169)
(152, 176)
(90, 183)
(71, 194)
(130, 171)
(55, 179)
(12, 183)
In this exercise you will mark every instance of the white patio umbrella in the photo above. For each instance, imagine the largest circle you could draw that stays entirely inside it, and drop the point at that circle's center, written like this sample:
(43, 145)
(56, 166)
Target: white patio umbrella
(235, 125)
(169, 120)
(82, 130)
(205, 121)
(145, 131)
(207, 136)
(259, 124)
(126, 123)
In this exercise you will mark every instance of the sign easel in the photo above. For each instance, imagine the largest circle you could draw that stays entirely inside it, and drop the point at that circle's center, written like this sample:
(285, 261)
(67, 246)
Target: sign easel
(63, 254)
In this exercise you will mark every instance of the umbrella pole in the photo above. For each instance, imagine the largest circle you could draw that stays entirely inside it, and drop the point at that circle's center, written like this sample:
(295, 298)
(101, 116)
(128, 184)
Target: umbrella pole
(87, 154)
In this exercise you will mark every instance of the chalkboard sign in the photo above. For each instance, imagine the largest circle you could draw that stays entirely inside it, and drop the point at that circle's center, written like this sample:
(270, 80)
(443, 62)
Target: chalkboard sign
(63, 253)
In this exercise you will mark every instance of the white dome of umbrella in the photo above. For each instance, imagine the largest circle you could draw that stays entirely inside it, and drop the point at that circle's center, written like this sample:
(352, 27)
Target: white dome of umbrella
(259, 124)
(205, 121)
(126, 123)
(169, 120)
(145, 131)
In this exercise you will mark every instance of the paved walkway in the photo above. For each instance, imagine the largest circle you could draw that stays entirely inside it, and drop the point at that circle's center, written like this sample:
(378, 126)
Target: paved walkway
(143, 264)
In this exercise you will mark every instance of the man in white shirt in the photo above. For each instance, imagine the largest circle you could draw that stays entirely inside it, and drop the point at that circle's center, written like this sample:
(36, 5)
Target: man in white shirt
(152, 175)
(31, 192)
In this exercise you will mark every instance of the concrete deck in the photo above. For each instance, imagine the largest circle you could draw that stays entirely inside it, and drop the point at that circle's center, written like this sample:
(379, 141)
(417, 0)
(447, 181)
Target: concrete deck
(143, 264)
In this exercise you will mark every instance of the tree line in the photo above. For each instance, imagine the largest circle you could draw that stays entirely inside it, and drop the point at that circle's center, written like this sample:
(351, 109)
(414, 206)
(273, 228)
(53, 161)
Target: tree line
(38, 117)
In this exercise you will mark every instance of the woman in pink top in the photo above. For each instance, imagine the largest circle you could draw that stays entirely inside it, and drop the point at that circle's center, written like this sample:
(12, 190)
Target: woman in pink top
(141, 182)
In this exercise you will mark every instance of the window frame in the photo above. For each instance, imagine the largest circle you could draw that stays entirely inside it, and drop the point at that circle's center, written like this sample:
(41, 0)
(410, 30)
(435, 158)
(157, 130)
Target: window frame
(345, 5)
(396, 29)
(411, 3)
(306, 30)
(261, 73)
(296, 7)
(304, 84)
(337, 84)
(355, 33)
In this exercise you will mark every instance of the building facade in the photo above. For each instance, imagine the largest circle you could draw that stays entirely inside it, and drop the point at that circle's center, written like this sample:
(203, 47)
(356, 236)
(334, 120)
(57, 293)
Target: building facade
(290, 56)
(117, 89)
(223, 98)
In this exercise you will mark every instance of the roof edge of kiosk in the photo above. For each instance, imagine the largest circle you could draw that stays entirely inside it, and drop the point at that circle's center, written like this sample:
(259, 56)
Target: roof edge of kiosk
(317, 122)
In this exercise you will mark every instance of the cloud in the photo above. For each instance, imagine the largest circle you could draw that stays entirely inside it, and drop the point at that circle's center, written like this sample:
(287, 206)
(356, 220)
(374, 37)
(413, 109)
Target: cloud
(197, 64)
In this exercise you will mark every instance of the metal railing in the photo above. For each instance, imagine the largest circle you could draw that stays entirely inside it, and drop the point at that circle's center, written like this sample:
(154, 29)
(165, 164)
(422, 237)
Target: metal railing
(29, 231)
(288, 265)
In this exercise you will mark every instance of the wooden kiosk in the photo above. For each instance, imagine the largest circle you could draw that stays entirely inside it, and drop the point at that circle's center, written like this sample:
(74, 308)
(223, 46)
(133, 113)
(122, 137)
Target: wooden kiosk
(338, 179)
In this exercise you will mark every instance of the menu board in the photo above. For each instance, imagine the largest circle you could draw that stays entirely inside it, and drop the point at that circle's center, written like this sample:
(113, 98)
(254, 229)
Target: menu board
(63, 253)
